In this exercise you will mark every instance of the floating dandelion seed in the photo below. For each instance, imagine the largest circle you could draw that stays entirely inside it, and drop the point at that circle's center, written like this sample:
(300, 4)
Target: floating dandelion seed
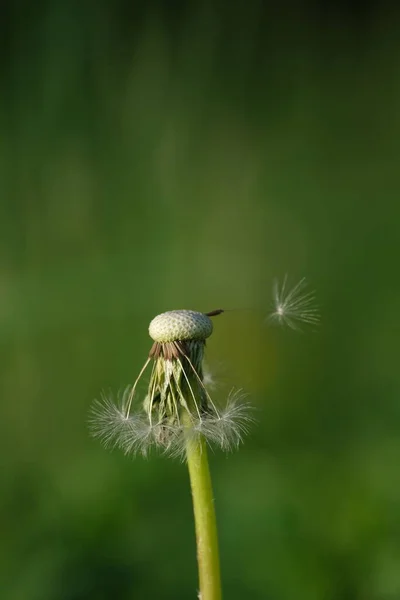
(177, 406)
(293, 306)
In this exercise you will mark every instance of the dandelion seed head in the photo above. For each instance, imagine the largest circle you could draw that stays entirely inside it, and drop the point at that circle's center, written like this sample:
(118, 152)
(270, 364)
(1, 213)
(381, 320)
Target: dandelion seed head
(293, 306)
(180, 325)
(177, 407)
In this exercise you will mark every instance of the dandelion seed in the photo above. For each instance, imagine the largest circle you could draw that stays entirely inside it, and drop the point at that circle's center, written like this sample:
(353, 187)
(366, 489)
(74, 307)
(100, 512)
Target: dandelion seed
(228, 428)
(107, 420)
(177, 406)
(293, 306)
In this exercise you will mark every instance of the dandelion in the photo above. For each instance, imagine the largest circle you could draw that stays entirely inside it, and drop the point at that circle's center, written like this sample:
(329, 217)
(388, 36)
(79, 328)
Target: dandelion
(293, 306)
(177, 405)
(179, 417)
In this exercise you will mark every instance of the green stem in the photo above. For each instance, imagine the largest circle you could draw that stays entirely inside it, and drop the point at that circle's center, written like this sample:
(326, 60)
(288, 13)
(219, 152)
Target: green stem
(205, 521)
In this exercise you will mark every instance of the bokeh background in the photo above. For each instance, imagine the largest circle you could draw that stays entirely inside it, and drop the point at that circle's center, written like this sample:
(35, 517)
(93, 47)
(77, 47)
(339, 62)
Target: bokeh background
(181, 155)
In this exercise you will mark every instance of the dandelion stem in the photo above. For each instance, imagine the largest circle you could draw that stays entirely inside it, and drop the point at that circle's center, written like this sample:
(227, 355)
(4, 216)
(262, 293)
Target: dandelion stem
(205, 520)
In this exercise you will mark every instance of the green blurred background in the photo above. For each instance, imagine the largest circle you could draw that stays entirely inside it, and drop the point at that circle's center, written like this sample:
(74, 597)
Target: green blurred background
(182, 156)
